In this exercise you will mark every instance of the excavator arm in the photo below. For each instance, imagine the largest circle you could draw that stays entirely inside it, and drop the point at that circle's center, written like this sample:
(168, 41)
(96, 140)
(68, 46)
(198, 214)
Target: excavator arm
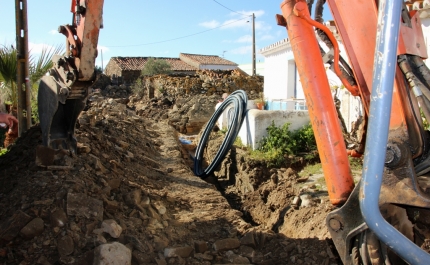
(63, 91)
(377, 220)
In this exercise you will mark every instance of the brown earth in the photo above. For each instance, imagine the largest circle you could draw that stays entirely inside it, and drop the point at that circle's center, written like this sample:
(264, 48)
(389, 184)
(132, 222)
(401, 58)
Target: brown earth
(132, 183)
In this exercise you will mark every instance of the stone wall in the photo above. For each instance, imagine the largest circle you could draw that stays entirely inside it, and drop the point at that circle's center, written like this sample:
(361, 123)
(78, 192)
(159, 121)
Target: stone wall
(130, 76)
(112, 69)
(207, 82)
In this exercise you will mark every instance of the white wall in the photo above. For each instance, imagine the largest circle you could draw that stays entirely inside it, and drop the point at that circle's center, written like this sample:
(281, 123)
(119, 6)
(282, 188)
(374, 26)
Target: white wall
(254, 127)
(217, 67)
(247, 68)
(426, 30)
(256, 122)
(276, 70)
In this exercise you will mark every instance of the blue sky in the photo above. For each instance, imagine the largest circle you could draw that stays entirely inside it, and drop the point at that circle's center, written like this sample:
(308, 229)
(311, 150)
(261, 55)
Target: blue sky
(159, 28)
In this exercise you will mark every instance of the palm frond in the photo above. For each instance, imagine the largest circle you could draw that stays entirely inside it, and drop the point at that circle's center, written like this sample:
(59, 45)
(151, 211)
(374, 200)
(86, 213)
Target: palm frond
(8, 72)
(39, 67)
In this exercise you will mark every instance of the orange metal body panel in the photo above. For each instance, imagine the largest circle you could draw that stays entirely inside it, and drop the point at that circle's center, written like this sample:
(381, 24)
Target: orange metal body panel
(359, 38)
(355, 31)
(322, 112)
(412, 39)
(83, 36)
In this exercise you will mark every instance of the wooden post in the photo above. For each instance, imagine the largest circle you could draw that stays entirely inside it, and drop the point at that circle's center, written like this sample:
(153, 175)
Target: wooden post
(23, 75)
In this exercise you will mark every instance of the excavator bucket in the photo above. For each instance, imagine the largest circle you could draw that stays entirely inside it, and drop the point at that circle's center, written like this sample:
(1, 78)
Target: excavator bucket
(61, 99)
(63, 93)
(56, 118)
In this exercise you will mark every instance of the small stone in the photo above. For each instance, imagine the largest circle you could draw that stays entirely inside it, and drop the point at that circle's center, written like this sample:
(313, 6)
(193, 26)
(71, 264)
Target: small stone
(133, 198)
(44, 202)
(146, 202)
(111, 205)
(161, 261)
(141, 258)
(43, 261)
(200, 246)
(203, 256)
(226, 244)
(160, 207)
(101, 240)
(114, 183)
(246, 251)
(83, 149)
(302, 179)
(236, 259)
(135, 242)
(112, 254)
(123, 144)
(58, 218)
(160, 243)
(183, 252)
(306, 200)
(296, 201)
(34, 228)
(112, 228)
(248, 240)
(65, 246)
(81, 205)
(11, 227)
(290, 247)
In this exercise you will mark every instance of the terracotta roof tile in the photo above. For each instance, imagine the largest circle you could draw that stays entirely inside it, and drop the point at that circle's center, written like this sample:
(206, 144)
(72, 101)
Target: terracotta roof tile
(208, 59)
(137, 63)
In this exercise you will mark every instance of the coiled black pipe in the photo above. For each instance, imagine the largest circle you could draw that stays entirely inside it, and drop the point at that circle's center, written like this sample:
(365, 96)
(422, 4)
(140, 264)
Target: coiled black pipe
(240, 101)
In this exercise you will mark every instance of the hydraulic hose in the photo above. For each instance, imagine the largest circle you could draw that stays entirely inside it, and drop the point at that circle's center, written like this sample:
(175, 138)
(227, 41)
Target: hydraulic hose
(239, 100)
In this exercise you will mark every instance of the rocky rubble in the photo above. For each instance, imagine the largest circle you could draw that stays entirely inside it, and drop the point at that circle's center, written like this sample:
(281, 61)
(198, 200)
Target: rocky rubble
(187, 102)
(129, 197)
(204, 82)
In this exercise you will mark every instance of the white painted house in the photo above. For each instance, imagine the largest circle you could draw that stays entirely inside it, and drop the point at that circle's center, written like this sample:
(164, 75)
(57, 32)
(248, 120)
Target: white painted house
(283, 89)
(284, 94)
(282, 86)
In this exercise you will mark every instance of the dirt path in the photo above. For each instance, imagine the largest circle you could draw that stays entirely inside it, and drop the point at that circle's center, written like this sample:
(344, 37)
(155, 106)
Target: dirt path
(129, 195)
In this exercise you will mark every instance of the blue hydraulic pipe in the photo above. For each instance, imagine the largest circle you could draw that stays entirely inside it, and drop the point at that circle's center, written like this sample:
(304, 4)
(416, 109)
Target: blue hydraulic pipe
(385, 62)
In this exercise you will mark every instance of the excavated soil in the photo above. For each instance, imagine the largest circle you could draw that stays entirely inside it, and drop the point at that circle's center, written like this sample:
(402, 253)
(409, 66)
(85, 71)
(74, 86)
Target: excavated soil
(131, 184)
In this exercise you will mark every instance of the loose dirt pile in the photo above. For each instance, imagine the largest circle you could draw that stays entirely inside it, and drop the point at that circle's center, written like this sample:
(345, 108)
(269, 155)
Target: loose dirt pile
(130, 194)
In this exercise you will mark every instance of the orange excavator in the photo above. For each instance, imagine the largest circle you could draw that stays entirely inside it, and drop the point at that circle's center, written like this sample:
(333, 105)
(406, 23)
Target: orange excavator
(385, 218)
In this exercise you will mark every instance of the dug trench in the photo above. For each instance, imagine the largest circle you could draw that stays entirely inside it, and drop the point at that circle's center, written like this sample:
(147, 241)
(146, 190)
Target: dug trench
(130, 194)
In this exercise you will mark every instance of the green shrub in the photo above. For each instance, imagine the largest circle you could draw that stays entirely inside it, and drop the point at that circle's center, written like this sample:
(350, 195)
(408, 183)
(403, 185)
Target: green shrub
(155, 67)
(138, 87)
(281, 143)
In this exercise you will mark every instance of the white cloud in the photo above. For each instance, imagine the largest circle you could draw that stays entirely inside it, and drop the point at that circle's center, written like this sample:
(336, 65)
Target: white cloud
(210, 24)
(266, 37)
(53, 32)
(245, 38)
(262, 26)
(246, 22)
(102, 48)
(234, 23)
(36, 48)
(242, 50)
(257, 13)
